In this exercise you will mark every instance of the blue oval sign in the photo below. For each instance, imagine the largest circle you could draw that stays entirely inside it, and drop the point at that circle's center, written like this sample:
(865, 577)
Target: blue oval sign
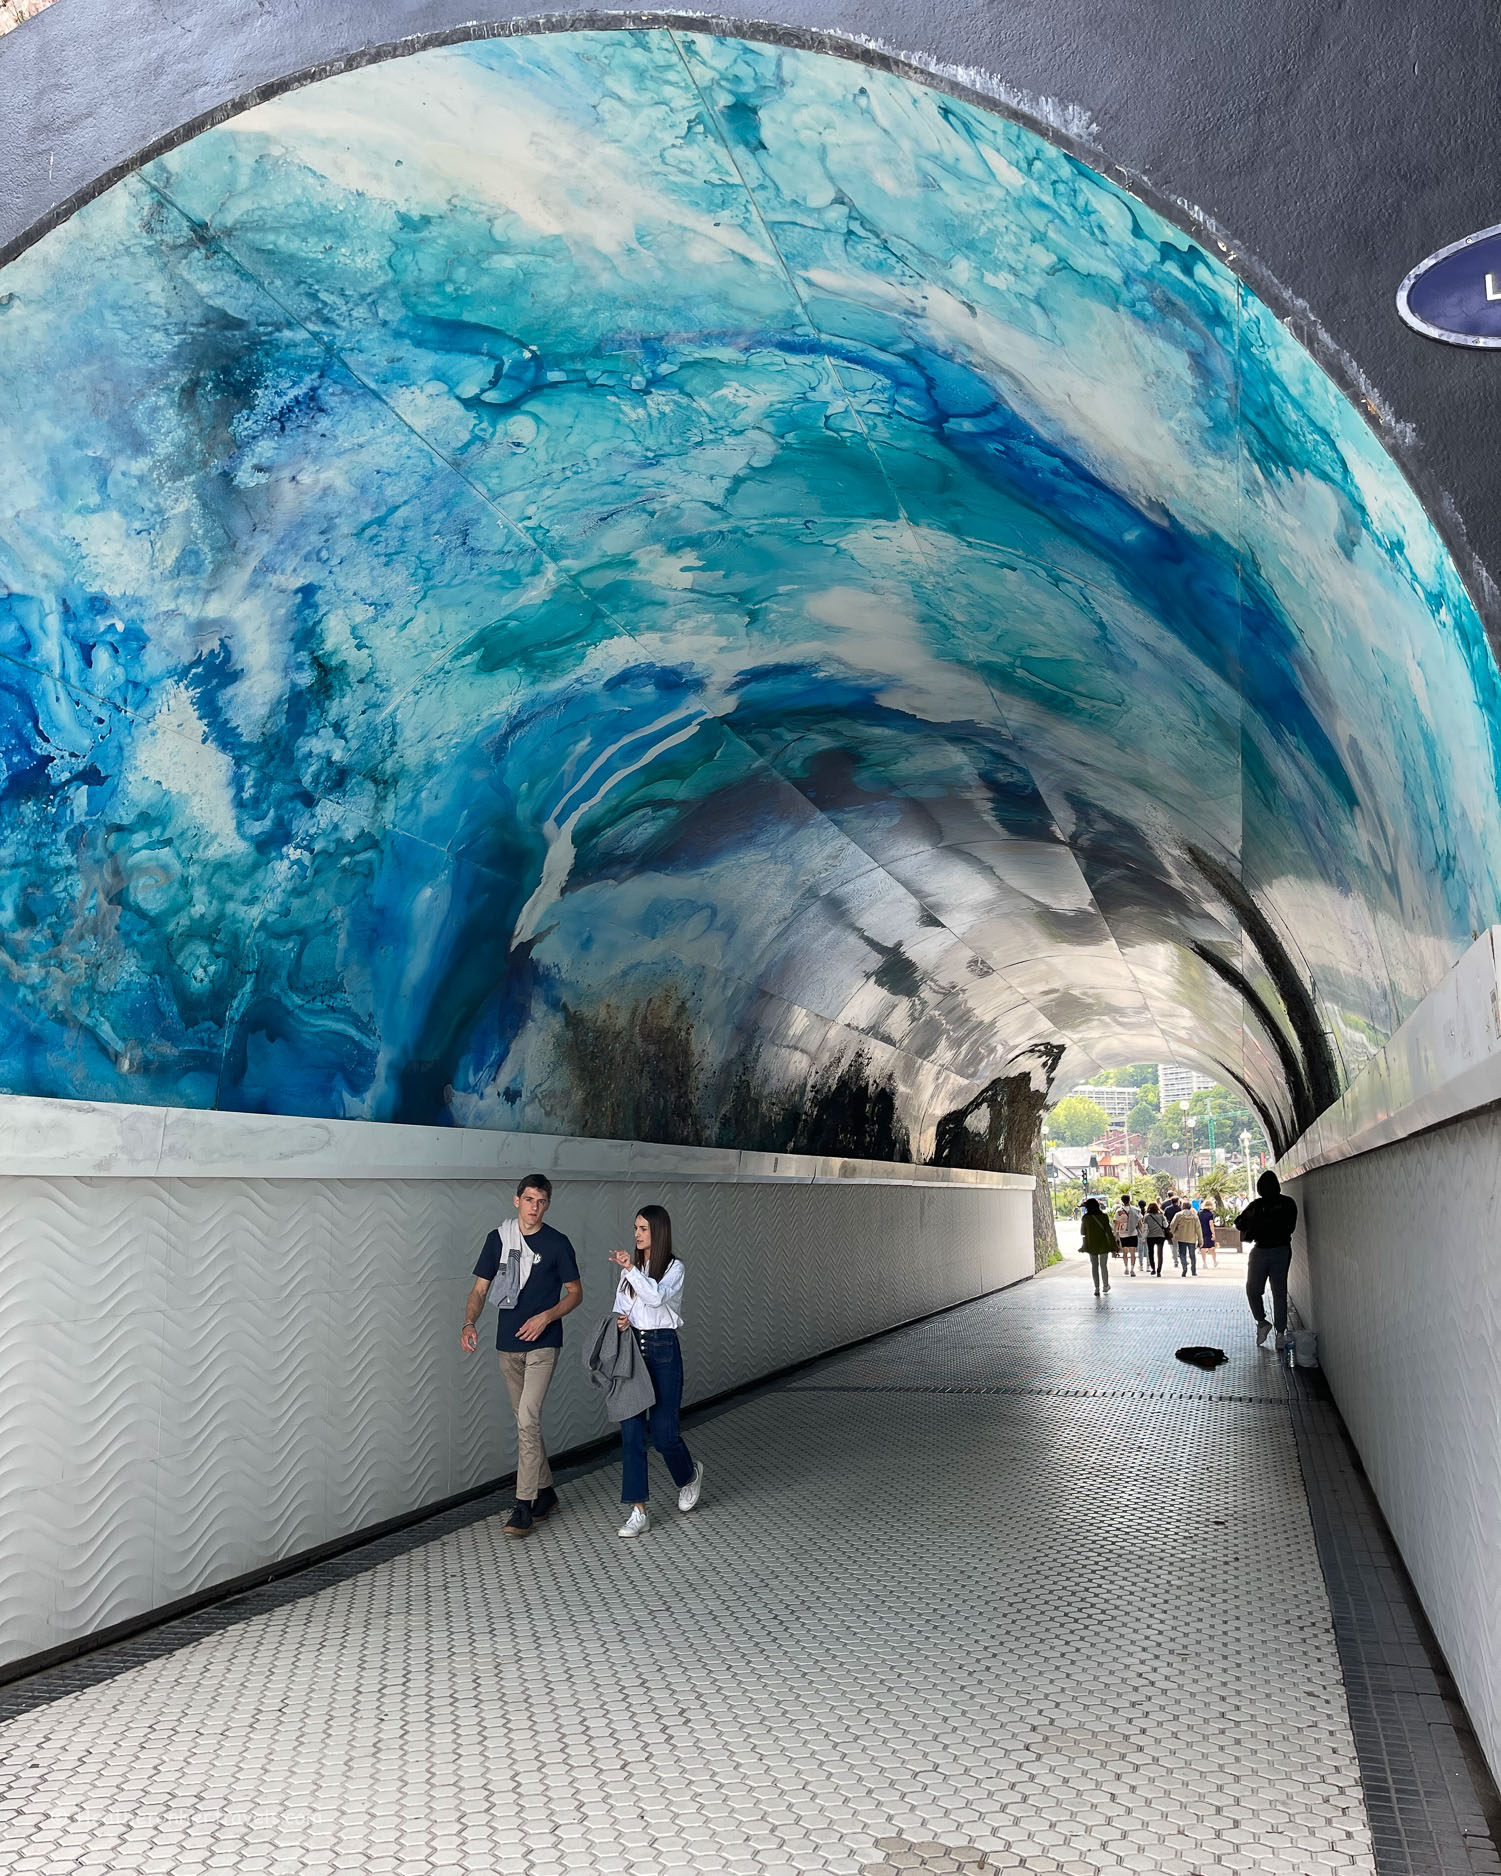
(1455, 295)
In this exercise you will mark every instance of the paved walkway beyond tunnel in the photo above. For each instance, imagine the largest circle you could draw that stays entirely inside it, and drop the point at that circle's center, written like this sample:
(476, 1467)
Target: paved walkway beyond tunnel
(1011, 1584)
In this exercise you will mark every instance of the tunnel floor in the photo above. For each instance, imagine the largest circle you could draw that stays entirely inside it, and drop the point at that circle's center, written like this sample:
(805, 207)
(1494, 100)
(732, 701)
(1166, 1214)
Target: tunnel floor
(1011, 1584)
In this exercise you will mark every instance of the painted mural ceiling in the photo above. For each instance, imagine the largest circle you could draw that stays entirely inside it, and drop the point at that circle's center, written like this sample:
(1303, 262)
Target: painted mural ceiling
(641, 584)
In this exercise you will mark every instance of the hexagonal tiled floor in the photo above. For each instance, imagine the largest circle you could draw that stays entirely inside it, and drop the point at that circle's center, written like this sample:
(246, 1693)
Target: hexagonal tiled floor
(1012, 1585)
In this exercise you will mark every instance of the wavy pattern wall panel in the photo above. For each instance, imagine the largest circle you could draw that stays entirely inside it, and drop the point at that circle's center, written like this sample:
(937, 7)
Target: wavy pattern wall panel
(199, 1376)
(1402, 1285)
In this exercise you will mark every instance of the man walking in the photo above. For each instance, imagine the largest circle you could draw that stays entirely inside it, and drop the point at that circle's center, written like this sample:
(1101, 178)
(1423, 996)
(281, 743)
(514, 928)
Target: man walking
(539, 1278)
(1154, 1229)
(1269, 1220)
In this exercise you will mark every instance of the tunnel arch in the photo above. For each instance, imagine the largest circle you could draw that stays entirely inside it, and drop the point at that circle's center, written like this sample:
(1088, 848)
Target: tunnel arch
(854, 609)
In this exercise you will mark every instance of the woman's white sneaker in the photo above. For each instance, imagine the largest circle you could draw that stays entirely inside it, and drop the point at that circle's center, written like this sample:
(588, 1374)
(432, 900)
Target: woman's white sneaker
(636, 1523)
(688, 1497)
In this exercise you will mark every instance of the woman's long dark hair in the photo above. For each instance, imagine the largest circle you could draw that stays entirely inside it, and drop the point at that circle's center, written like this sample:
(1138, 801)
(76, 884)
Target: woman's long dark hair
(660, 1255)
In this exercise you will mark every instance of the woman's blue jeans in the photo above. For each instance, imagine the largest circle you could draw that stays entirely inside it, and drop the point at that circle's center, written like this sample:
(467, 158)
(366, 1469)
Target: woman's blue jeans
(664, 1363)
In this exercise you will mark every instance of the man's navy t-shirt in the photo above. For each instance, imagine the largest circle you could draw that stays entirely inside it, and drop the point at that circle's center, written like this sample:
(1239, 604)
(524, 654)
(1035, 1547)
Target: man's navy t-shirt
(555, 1266)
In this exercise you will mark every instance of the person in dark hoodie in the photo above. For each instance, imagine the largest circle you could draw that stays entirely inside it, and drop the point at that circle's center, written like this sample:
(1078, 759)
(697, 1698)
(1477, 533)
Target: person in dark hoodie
(1268, 1221)
(1098, 1243)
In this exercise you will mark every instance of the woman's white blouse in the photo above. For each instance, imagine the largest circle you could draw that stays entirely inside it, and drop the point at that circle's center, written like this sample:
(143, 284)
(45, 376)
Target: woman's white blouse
(651, 1305)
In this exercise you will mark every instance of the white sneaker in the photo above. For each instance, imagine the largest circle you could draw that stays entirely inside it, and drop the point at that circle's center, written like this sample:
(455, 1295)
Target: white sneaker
(637, 1523)
(1263, 1330)
(688, 1497)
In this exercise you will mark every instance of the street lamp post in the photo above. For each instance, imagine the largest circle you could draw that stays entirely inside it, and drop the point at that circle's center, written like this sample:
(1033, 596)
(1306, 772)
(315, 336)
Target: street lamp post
(1245, 1147)
(1192, 1123)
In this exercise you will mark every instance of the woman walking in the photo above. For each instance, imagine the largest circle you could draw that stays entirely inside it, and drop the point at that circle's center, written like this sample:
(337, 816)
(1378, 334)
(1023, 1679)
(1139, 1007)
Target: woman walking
(1099, 1243)
(1154, 1230)
(648, 1302)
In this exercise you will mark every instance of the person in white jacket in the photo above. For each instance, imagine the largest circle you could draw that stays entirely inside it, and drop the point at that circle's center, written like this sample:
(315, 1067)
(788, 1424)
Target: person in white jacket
(648, 1301)
(1186, 1240)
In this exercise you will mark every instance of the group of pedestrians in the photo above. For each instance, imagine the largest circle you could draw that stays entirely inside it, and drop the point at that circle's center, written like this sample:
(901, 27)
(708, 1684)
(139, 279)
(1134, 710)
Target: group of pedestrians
(1136, 1236)
(529, 1271)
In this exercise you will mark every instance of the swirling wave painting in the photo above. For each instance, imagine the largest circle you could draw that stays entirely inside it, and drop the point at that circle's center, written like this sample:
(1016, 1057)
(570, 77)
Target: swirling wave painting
(641, 584)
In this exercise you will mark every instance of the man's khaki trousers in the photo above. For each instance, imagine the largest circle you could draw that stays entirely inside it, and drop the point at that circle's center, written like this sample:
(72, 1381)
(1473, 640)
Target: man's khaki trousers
(527, 1378)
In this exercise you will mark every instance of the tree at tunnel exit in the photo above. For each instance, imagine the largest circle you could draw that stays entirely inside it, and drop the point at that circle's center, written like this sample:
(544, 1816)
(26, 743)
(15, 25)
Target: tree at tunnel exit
(1142, 1119)
(1076, 1122)
(1067, 1199)
(1232, 1117)
(1169, 1130)
(1139, 1075)
(1220, 1186)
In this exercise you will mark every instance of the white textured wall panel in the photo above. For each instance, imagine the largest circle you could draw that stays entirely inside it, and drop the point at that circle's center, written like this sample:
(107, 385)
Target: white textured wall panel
(1402, 1279)
(199, 1376)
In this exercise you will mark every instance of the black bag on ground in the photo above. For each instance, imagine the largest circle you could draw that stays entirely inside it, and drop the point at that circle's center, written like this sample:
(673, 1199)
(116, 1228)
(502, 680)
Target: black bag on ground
(1202, 1357)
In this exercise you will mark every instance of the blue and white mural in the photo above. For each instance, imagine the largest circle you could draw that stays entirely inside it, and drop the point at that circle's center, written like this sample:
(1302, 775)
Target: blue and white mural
(641, 584)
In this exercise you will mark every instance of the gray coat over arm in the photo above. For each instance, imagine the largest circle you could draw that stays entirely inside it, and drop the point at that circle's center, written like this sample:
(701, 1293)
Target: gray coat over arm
(613, 1362)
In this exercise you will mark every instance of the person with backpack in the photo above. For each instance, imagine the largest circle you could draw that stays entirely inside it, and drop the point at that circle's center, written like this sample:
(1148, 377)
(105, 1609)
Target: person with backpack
(1098, 1244)
(1185, 1230)
(1269, 1220)
(1154, 1230)
(535, 1277)
(1127, 1226)
(648, 1302)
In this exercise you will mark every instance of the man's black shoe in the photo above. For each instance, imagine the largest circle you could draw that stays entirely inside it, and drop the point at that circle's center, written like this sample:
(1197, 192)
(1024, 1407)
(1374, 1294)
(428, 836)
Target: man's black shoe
(520, 1520)
(545, 1501)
